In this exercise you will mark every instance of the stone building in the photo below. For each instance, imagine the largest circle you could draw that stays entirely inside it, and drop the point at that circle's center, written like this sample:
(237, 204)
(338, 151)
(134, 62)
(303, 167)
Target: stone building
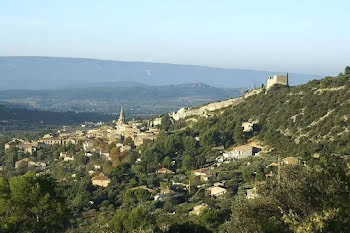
(100, 180)
(277, 79)
(25, 146)
(247, 127)
(244, 151)
(252, 193)
(57, 141)
(22, 163)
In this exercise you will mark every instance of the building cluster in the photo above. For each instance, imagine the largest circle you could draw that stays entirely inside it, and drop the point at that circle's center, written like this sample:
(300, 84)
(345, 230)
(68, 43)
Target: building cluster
(135, 131)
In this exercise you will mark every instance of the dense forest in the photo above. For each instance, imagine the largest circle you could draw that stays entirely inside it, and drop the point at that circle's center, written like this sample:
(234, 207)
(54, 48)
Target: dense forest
(309, 122)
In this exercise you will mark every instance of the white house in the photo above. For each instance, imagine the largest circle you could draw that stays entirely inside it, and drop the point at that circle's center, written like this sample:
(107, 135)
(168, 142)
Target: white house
(216, 191)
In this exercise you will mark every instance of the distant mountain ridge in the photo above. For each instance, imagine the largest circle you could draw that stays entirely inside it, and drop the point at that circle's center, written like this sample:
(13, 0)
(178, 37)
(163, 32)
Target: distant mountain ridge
(54, 72)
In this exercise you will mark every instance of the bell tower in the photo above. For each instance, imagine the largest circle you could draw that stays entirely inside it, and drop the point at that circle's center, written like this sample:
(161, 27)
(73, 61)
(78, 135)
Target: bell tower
(121, 119)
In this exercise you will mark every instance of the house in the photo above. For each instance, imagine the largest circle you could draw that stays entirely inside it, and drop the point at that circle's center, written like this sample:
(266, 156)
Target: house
(125, 148)
(33, 164)
(164, 194)
(22, 163)
(100, 180)
(252, 193)
(198, 209)
(106, 155)
(247, 127)
(203, 173)
(50, 140)
(228, 155)
(164, 171)
(88, 145)
(216, 191)
(66, 157)
(63, 154)
(25, 146)
(219, 184)
(245, 151)
(293, 161)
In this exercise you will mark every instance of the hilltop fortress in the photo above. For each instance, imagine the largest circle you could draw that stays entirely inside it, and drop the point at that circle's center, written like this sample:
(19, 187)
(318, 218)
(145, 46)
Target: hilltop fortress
(277, 80)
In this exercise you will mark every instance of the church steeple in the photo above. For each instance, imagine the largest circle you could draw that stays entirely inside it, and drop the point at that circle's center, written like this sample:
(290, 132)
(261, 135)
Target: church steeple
(121, 119)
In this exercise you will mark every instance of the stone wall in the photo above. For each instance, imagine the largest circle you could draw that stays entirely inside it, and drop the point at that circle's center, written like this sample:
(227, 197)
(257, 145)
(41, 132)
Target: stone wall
(277, 79)
(204, 110)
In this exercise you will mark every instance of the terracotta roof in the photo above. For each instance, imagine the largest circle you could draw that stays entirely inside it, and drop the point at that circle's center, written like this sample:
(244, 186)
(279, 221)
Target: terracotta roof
(201, 170)
(101, 176)
(165, 170)
(243, 148)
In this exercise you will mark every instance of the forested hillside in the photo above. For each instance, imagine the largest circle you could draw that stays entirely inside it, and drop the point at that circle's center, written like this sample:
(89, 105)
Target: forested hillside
(299, 181)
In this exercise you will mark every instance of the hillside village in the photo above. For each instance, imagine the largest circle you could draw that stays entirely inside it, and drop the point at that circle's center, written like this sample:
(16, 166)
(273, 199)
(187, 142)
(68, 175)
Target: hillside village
(186, 163)
(127, 136)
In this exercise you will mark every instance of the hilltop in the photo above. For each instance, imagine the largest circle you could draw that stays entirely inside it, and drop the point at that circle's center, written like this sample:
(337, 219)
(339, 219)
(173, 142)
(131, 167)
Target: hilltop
(54, 72)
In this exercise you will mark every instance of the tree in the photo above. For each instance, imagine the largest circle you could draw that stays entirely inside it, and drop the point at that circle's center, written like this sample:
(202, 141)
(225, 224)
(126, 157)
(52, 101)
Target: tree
(210, 137)
(128, 141)
(139, 219)
(166, 123)
(188, 227)
(188, 162)
(166, 162)
(347, 70)
(31, 204)
(238, 133)
(211, 218)
(260, 215)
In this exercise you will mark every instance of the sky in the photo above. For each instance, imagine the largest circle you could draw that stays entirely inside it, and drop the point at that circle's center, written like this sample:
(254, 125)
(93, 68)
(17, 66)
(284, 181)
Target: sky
(304, 36)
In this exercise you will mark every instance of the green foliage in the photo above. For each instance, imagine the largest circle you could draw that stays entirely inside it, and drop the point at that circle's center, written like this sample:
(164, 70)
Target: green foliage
(347, 70)
(238, 133)
(31, 204)
(187, 227)
(261, 215)
(312, 199)
(166, 123)
(138, 219)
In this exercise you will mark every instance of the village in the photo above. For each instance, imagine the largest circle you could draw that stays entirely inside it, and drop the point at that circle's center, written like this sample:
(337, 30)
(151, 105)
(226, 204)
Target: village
(125, 137)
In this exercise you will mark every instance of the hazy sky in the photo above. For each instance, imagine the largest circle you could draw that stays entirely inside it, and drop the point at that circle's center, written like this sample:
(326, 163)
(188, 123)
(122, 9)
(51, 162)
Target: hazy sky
(310, 36)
